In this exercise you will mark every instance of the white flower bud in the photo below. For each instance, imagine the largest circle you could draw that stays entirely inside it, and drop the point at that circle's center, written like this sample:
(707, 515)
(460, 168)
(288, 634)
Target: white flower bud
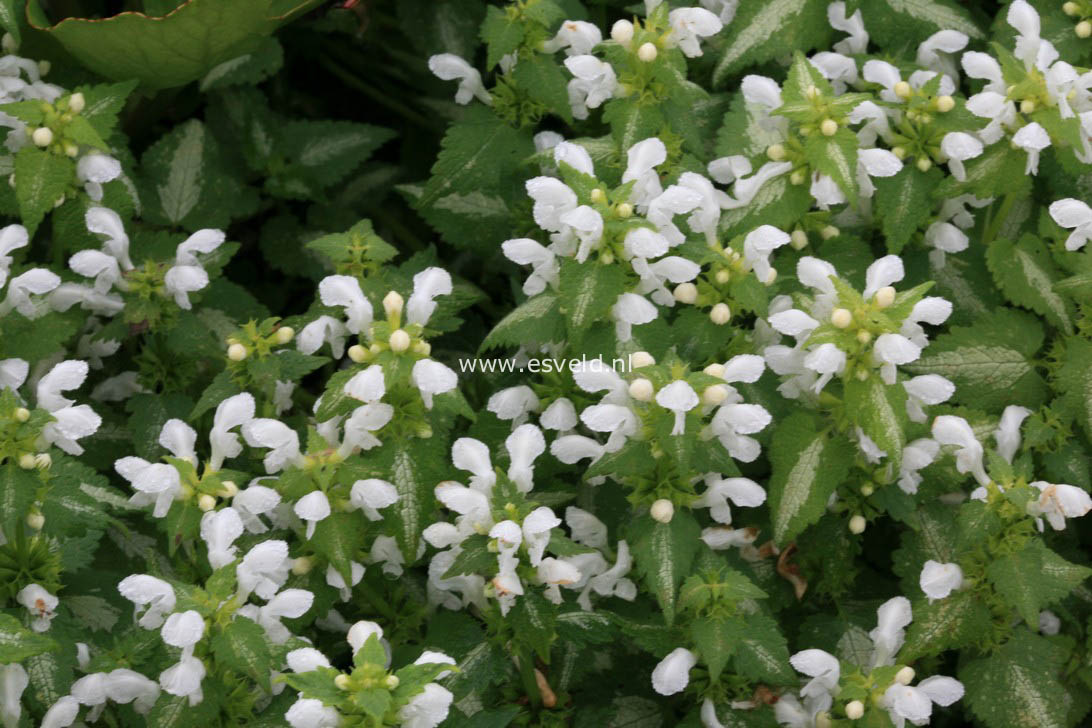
(393, 303)
(71, 150)
(854, 709)
(206, 502)
(924, 164)
(285, 334)
(1070, 8)
(797, 177)
(771, 277)
(829, 232)
(22, 414)
(798, 239)
(899, 152)
(647, 52)
(715, 394)
(343, 682)
(905, 676)
(1083, 29)
(864, 336)
(811, 91)
(42, 136)
(662, 510)
(26, 461)
(358, 353)
(857, 524)
(236, 352)
(229, 489)
(686, 293)
(598, 195)
(422, 347)
(714, 370)
(884, 297)
(8, 44)
(624, 210)
(720, 314)
(903, 90)
(43, 461)
(841, 318)
(302, 565)
(723, 276)
(35, 521)
(399, 341)
(945, 104)
(1027, 106)
(392, 682)
(641, 390)
(867, 490)
(776, 152)
(829, 127)
(77, 102)
(44, 66)
(640, 359)
(622, 32)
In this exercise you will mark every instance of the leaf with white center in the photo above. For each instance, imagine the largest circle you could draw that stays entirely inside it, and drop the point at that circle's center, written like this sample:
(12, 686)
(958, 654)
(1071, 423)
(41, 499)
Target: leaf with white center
(17, 643)
(1075, 381)
(945, 624)
(242, 646)
(894, 21)
(1035, 578)
(587, 292)
(475, 204)
(1019, 685)
(902, 203)
(762, 31)
(632, 121)
(41, 179)
(663, 553)
(181, 191)
(1026, 275)
(808, 464)
(536, 319)
(762, 653)
(880, 411)
(836, 157)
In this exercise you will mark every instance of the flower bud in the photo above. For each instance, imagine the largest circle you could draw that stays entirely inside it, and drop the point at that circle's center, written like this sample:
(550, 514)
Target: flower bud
(229, 489)
(720, 314)
(606, 258)
(662, 510)
(42, 136)
(797, 177)
(1027, 106)
(864, 336)
(867, 490)
(903, 90)
(771, 277)
(861, 374)
(722, 276)
(285, 334)
(35, 521)
(899, 152)
(597, 195)
(811, 91)
(715, 394)
(841, 318)
(624, 210)
(714, 370)
(622, 32)
(422, 347)
(829, 127)
(43, 461)
(884, 297)
(776, 152)
(822, 720)
(392, 304)
(206, 502)
(829, 232)
(44, 66)
(236, 352)
(22, 414)
(8, 44)
(857, 524)
(392, 682)
(76, 102)
(399, 341)
(647, 52)
(302, 565)
(1083, 29)
(641, 389)
(945, 104)
(1070, 8)
(640, 359)
(905, 676)
(924, 164)
(26, 461)
(854, 709)
(798, 239)
(343, 682)
(358, 353)
(686, 293)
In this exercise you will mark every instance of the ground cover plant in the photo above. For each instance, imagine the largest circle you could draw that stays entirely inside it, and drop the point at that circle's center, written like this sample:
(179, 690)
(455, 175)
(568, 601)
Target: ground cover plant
(545, 363)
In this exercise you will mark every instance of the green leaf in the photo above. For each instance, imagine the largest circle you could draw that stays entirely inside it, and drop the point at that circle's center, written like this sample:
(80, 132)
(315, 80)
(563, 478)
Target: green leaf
(699, 591)
(585, 628)
(663, 553)
(103, 103)
(1026, 275)
(168, 51)
(485, 665)
(1075, 381)
(836, 157)
(1018, 686)
(412, 469)
(533, 619)
(541, 77)
(474, 558)
(880, 411)
(1034, 578)
(9, 18)
(501, 34)
(536, 319)
(955, 622)
(762, 653)
(322, 153)
(17, 643)
(716, 638)
(807, 467)
(338, 537)
(242, 645)
(903, 203)
(41, 178)
(588, 291)
(249, 68)
(18, 489)
(996, 172)
(894, 22)
(631, 121)
(763, 31)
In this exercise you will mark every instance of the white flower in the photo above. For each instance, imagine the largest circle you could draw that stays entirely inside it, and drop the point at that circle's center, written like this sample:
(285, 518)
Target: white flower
(1049, 624)
(155, 483)
(552, 199)
(71, 421)
(450, 67)
(672, 674)
(543, 262)
(689, 24)
(98, 265)
(360, 632)
(13, 681)
(1007, 433)
(253, 501)
(917, 455)
(743, 492)
(560, 416)
(427, 285)
(944, 237)
(427, 709)
(306, 659)
(147, 591)
(586, 528)
(104, 221)
(367, 385)
(12, 238)
(63, 713)
(939, 580)
(641, 162)
(219, 529)
(933, 52)
(282, 441)
(593, 84)
(183, 629)
(1076, 216)
(233, 412)
(823, 669)
(1030, 48)
(1058, 501)
(680, 398)
(40, 603)
(312, 713)
(719, 538)
(365, 420)
(263, 569)
(337, 581)
(857, 41)
(312, 508)
(34, 282)
(1032, 139)
(513, 403)
(372, 494)
(323, 329)
(290, 603)
(184, 679)
(958, 147)
(757, 247)
(577, 37)
(536, 532)
(952, 430)
(925, 389)
(187, 275)
(915, 704)
(95, 170)
(344, 292)
(586, 224)
(432, 378)
(385, 551)
(524, 445)
(891, 620)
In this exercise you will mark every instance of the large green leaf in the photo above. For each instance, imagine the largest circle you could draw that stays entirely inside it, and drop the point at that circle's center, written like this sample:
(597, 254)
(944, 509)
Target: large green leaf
(168, 51)
(664, 553)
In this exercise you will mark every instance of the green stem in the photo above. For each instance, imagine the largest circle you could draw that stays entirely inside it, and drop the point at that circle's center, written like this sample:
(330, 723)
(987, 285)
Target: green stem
(527, 673)
(375, 600)
(993, 226)
(380, 98)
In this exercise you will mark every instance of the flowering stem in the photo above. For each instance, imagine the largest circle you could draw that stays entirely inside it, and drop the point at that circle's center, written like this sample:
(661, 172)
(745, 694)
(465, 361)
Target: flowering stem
(993, 226)
(527, 674)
